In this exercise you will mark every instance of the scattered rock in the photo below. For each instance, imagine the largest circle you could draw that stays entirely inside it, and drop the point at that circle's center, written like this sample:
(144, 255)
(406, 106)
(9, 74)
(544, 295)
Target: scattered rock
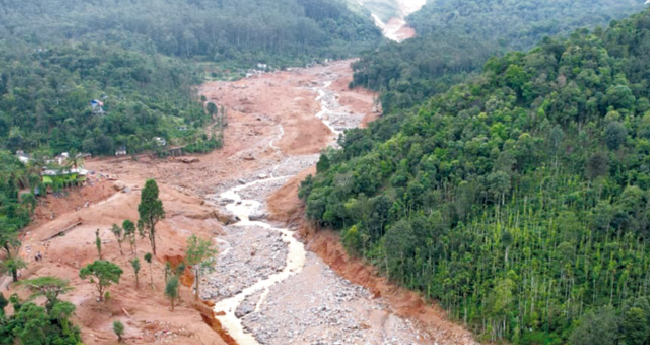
(188, 159)
(119, 186)
(257, 216)
(226, 217)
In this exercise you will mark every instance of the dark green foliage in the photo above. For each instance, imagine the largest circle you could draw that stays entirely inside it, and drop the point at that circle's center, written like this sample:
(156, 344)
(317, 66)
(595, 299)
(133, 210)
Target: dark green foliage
(33, 324)
(3, 303)
(103, 274)
(14, 213)
(118, 329)
(46, 101)
(244, 32)
(151, 212)
(521, 199)
(140, 58)
(456, 37)
(171, 290)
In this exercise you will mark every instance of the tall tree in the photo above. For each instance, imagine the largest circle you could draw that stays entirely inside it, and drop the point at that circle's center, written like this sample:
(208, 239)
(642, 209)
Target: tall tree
(10, 243)
(151, 211)
(200, 254)
(148, 257)
(98, 244)
(129, 234)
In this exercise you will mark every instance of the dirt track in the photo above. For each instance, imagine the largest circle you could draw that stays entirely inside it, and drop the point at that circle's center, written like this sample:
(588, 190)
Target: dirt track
(273, 132)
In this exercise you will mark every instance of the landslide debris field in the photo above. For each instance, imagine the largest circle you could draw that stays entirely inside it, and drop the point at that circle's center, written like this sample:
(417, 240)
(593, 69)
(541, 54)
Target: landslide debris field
(268, 288)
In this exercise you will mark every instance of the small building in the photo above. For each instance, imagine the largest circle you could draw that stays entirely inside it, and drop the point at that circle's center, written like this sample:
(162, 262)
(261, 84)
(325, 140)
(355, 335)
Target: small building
(160, 141)
(97, 106)
(182, 128)
(63, 177)
(121, 151)
(22, 156)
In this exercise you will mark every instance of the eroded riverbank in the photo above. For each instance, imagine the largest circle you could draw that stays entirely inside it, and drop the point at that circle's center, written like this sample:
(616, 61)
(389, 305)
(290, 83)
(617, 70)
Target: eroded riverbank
(262, 301)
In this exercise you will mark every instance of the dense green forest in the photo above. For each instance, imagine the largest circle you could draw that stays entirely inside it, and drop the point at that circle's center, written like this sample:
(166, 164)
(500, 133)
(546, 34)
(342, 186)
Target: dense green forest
(520, 199)
(456, 37)
(140, 59)
(45, 99)
(245, 32)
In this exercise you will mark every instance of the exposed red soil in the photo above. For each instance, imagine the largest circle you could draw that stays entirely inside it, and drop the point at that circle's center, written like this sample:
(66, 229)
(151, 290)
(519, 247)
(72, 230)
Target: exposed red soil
(256, 108)
(327, 245)
(145, 312)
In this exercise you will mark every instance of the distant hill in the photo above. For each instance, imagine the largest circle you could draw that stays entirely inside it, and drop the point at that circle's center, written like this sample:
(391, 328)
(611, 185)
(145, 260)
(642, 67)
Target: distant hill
(456, 37)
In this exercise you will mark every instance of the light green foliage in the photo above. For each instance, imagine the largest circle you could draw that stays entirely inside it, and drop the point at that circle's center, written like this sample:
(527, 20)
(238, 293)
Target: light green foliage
(151, 212)
(98, 244)
(50, 287)
(103, 274)
(200, 255)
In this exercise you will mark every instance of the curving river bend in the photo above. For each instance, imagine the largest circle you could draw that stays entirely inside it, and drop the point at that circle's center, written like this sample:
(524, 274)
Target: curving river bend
(315, 307)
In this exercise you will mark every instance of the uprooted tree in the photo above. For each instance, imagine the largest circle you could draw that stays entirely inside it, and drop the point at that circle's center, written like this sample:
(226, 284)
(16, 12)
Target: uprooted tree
(103, 274)
(151, 212)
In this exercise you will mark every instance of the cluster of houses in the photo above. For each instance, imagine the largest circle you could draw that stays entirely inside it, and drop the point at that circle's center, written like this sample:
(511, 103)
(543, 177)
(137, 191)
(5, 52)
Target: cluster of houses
(57, 173)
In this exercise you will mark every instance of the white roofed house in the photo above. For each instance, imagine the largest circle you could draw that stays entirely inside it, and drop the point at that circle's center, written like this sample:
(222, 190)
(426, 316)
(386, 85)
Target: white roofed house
(22, 156)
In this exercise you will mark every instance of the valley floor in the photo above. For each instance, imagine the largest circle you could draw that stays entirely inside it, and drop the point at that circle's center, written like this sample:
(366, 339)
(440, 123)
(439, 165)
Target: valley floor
(268, 288)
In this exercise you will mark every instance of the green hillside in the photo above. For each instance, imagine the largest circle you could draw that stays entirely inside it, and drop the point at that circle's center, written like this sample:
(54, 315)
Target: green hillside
(142, 58)
(521, 199)
(456, 37)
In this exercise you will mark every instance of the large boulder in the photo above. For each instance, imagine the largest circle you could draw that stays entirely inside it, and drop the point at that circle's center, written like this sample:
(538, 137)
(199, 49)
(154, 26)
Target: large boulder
(257, 216)
(226, 217)
(119, 186)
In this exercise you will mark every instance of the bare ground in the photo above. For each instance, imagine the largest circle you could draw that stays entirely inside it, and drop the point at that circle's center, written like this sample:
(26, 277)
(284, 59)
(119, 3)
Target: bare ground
(271, 122)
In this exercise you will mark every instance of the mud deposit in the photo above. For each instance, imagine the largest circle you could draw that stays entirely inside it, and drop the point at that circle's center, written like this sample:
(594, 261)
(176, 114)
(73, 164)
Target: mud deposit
(269, 289)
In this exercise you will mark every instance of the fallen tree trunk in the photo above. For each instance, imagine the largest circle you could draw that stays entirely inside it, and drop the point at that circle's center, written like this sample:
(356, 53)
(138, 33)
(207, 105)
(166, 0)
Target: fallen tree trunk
(59, 233)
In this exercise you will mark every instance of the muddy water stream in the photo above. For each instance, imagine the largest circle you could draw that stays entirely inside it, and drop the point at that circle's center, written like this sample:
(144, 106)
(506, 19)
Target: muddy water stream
(297, 253)
(295, 262)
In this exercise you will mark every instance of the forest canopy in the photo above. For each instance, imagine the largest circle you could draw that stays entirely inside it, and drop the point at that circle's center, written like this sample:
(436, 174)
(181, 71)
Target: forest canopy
(245, 32)
(456, 37)
(519, 199)
(140, 58)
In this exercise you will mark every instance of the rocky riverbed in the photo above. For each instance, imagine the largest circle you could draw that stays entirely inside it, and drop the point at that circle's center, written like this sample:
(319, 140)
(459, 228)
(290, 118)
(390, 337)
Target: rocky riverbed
(269, 290)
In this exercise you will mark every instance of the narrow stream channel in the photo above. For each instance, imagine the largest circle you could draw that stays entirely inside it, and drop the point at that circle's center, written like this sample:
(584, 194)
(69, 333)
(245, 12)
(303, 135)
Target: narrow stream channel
(295, 258)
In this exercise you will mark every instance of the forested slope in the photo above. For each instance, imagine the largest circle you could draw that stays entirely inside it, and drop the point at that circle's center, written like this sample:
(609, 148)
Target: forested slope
(140, 58)
(240, 31)
(45, 99)
(521, 199)
(456, 37)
